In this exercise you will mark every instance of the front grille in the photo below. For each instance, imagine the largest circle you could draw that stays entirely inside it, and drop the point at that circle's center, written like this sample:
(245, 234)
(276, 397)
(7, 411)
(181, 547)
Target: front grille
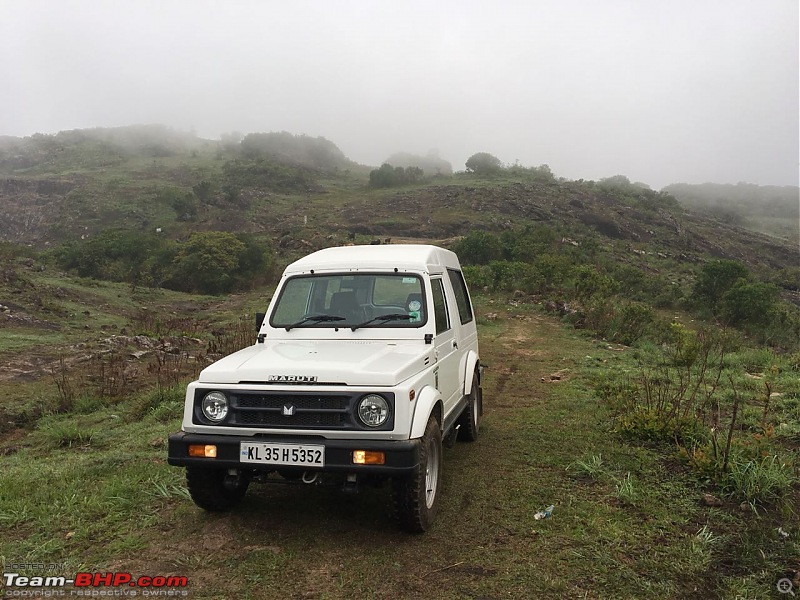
(328, 411)
(278, 401)
(272, 419)
(293, 410)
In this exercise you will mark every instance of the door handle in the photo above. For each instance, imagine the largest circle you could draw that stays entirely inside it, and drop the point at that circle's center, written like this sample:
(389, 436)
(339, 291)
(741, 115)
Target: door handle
(455, 344)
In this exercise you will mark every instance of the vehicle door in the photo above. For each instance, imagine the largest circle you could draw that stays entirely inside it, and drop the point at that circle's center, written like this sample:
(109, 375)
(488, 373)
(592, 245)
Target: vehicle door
(446, 348)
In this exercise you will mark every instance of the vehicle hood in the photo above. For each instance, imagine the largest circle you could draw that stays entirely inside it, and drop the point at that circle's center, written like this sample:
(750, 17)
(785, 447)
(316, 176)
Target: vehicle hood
(360, 363)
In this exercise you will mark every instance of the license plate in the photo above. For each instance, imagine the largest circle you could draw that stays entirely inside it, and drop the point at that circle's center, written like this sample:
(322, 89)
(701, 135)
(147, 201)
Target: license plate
(266, 453)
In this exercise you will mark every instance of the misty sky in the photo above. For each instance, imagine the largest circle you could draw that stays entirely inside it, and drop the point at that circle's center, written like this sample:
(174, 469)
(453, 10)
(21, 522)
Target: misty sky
(659, 91)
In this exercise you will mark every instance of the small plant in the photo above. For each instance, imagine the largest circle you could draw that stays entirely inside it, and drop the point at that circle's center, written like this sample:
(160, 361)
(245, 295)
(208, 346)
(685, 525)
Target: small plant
(167, 411)
(160, 489)
(705, 537)
(64, 386)
(592, 467)
(110, 374)
(703, 544)
(170, 368)
(66, 434)
(163, 403)
(626, 490)
(758, 481)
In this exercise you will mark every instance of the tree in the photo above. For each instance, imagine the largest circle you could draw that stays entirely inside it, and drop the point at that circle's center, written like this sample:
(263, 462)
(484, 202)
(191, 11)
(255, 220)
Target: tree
(483, 163)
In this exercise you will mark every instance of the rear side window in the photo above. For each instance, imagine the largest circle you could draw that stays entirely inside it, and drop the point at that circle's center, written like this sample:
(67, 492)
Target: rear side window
(462, 298)
(439, 306)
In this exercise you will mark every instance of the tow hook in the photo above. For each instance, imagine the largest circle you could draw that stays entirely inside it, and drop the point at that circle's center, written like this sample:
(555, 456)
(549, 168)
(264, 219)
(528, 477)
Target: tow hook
(310, 477)
(233, 480)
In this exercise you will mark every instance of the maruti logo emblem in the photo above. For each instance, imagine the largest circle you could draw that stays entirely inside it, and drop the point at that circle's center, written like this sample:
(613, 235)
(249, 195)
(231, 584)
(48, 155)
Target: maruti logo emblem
(288, 410)
(292, 378)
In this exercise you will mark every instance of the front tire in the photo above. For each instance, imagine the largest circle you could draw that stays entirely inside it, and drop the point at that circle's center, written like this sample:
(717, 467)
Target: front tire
(416, 498)
(215, 490)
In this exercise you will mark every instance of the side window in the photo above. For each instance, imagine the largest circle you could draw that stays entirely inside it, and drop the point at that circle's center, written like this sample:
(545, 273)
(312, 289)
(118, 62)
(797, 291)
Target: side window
(462, 298)
(440, 306)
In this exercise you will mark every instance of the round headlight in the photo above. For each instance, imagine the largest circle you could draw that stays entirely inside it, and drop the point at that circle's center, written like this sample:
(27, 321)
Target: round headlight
(373, 410)
(215, 406)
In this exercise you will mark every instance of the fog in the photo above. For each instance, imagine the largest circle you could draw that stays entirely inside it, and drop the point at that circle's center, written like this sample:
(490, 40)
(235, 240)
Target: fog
(662, 92)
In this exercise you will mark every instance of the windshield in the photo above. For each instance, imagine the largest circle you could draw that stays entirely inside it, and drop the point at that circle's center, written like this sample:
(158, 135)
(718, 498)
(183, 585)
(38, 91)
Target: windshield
(351, 300)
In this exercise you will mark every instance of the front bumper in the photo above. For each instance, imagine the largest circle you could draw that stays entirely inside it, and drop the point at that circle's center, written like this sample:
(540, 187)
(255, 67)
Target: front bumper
(402, 457)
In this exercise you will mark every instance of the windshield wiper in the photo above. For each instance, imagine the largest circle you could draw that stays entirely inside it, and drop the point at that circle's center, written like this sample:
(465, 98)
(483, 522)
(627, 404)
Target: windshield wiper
(392, 317)
(315, 319)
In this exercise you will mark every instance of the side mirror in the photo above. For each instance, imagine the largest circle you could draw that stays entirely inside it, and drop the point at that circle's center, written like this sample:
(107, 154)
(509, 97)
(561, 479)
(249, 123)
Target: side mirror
(260, 320)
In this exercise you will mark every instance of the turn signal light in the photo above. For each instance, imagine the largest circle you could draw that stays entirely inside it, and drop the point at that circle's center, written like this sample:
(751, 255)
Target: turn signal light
(202, 450)
(368, 457)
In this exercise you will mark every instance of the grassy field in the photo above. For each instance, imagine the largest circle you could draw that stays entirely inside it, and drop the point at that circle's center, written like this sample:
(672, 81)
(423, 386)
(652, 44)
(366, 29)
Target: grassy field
(90, 487)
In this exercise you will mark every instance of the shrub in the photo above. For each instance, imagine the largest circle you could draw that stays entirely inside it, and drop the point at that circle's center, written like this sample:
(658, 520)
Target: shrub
(749, 303)
(216, 262)
(389, 176)
(477, 277)
(589, 282)
(529, 242)
(478, 248)
(716, 278)
(507, 275)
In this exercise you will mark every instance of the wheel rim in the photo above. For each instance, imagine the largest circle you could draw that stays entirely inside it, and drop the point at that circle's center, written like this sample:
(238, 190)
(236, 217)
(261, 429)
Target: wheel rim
(431, 473)
(475, 409)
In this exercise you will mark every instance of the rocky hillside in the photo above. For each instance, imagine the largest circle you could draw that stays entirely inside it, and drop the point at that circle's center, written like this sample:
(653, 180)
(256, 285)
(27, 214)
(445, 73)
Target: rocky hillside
(302, 193)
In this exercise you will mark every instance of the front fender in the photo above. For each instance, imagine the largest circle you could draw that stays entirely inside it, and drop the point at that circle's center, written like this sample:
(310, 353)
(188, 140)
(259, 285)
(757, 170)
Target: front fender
(429, 399)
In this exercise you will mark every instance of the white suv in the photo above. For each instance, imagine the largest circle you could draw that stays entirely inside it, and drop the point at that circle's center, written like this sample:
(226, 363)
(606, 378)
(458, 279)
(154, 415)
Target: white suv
(367, 361)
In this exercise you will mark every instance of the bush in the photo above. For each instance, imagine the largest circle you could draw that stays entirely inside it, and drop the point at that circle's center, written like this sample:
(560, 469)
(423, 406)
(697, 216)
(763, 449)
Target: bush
(114, 254)
(206, 263)
(477, 277)
(266, 174)
(210, 262)
(478, 248)
(388, 176)
(716, 278)
(589, 282)
(749, 303)
(529, 242)
(514, 275)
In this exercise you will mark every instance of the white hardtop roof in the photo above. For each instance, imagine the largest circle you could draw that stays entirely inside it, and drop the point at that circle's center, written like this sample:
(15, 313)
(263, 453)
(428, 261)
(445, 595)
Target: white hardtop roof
(414, 257)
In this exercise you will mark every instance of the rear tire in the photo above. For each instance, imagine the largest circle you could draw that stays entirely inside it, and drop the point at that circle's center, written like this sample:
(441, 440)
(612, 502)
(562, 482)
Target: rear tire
(214, 490)
(416, 498)
(470, 419)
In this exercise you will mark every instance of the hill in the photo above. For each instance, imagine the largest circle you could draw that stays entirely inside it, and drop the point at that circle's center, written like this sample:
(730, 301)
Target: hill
(768, 208)
(661, 341)
(76, 184)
